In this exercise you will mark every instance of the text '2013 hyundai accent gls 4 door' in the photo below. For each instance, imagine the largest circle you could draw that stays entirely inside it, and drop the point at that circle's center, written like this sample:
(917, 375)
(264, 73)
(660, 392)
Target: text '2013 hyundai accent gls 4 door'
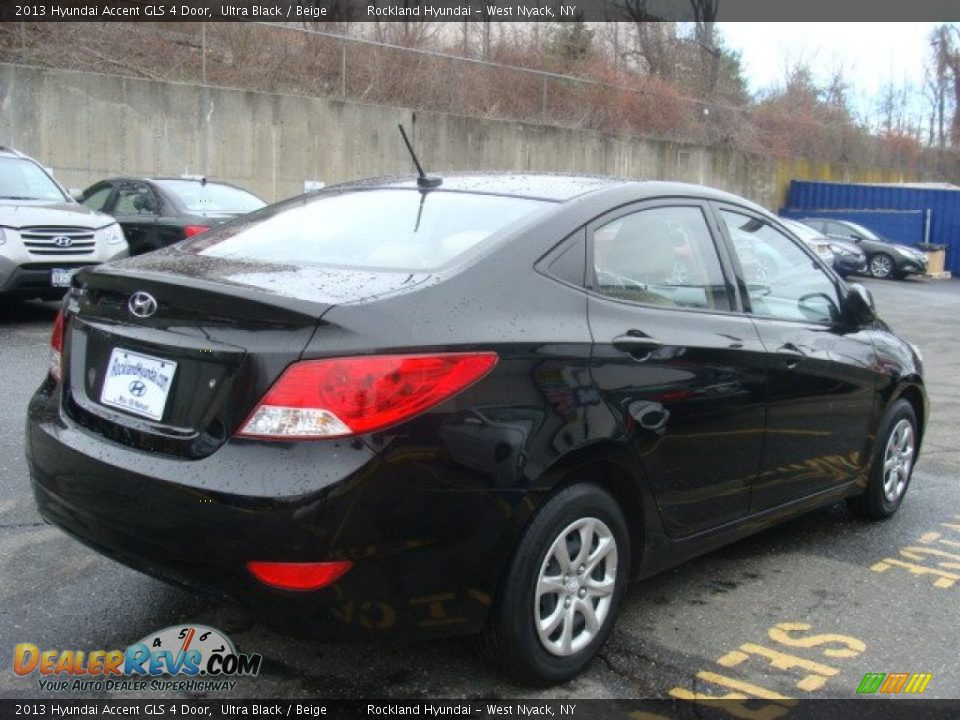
(482, 407)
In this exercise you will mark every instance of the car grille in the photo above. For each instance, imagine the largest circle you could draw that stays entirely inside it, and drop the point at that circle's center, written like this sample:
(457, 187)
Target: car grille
(58, 240)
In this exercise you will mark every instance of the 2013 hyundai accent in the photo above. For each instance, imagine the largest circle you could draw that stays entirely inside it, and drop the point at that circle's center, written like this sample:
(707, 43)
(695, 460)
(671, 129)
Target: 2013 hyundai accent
(481, 405)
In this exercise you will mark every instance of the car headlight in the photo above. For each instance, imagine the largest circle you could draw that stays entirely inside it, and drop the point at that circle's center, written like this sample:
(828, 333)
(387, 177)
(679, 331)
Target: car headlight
(908, 253)
(113, 234)
(837, 250)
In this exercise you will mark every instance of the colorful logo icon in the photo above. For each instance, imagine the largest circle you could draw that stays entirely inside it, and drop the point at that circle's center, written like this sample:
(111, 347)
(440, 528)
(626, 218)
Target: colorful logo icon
(892, 683)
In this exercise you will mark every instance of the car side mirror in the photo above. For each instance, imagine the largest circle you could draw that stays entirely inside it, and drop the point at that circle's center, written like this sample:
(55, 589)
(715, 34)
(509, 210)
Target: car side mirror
(858, 307)
(76, 194)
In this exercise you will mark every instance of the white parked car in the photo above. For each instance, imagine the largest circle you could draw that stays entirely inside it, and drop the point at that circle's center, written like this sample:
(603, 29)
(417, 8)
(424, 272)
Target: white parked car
(812, 239)
(46, 235)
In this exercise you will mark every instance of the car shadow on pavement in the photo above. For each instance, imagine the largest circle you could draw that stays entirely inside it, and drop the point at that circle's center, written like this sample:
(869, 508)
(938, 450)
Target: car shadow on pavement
(18, 311)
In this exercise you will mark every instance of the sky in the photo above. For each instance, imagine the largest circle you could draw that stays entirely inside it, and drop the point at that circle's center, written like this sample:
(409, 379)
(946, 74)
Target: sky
(871, 54)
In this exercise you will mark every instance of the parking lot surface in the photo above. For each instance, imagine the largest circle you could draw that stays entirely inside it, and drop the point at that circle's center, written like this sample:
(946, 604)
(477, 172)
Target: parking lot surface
(803, 610)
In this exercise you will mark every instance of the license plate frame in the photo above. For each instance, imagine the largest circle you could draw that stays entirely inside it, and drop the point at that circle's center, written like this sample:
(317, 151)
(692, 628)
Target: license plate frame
(137, 383)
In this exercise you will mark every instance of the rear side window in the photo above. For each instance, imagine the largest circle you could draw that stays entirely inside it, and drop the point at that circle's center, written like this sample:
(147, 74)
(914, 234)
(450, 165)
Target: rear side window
(391, 229)
(660, 256)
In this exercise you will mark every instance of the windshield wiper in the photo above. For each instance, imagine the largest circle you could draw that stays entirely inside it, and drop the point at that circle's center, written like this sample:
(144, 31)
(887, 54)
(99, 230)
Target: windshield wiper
(18, 197)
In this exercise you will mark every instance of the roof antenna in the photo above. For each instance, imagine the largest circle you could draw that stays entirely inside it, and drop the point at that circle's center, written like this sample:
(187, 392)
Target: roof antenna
(423, 180)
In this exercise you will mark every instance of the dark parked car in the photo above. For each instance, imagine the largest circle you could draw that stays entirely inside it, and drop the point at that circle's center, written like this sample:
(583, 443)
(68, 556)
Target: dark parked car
(158, 212)
(846, 257)
(280, 410)
(885, 258)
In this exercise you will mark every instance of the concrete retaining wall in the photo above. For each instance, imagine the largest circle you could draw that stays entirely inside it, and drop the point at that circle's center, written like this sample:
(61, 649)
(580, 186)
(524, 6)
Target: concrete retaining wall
(87, 127)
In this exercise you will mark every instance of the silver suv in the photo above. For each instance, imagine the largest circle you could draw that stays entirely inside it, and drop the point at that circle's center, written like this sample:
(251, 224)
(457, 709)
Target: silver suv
(45, 235)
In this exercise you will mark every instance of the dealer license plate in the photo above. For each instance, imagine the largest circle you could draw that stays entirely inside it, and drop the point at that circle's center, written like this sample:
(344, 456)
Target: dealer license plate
(60, 277)
(137, 383)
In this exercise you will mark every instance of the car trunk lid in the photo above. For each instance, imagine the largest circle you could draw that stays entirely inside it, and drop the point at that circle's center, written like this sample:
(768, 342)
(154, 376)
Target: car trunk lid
(170, 353)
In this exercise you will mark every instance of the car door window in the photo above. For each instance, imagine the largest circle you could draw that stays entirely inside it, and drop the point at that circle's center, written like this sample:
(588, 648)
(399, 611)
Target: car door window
(136, 199)
(782, 280)
(839, 230)
(660, 256)
(97, 200)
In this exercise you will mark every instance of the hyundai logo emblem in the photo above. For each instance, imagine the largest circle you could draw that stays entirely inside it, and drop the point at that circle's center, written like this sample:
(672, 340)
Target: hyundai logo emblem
(63, 241)
(141, 304)
(137, 388)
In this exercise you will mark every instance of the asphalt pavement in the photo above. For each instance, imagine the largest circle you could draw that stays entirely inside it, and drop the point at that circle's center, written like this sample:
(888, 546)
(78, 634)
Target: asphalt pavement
(803, 610)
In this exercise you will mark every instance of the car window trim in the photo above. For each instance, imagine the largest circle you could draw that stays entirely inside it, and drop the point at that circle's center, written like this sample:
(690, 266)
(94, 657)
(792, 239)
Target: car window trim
(651, 203)
(834, 279)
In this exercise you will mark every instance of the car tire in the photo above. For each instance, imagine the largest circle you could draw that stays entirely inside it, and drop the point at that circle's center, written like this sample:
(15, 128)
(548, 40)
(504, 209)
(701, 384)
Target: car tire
(542, 637)
(881, 266)
(891, 466)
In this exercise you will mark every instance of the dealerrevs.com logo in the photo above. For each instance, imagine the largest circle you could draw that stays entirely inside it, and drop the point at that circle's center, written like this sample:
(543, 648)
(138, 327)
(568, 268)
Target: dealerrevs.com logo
(201, 658)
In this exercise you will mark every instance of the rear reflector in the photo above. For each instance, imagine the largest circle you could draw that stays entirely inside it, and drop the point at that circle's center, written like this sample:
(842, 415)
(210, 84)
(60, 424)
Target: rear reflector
(56, 347)
(337, 397)
(298, 576)
(191, 230)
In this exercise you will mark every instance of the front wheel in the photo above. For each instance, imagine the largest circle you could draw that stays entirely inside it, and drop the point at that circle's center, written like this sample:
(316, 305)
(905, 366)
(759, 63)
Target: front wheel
(881, 266)
(892, 465)
(563, 589)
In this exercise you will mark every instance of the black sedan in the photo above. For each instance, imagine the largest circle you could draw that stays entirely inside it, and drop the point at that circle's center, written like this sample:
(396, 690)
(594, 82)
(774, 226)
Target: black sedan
(885, 258)
(478, 407)
(157, 212)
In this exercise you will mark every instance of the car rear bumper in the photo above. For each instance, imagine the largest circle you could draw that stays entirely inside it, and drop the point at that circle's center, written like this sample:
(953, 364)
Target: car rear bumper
(422, 548)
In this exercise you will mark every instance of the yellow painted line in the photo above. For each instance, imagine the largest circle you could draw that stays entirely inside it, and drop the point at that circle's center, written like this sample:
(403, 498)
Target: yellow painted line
(742, 686)
(727, 703)
(944, 579)
(781, 633)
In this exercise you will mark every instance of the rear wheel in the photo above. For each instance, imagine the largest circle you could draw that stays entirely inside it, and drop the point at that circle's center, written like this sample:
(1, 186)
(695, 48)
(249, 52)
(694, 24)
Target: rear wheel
(881, 266)
(891, 466)
(563, 589)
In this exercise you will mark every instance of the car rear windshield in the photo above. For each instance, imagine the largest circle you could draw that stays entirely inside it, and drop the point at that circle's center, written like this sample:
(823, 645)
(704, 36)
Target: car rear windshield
(385, 228)
(24, 180)
(211, 197)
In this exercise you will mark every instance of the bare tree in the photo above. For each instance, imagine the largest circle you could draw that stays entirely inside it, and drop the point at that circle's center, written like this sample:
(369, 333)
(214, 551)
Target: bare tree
(657, 40)
(705, 16)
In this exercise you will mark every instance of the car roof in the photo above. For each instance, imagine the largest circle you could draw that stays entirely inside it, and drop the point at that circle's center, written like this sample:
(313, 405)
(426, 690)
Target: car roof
(556, 187)
(13, 152)
(143, 178)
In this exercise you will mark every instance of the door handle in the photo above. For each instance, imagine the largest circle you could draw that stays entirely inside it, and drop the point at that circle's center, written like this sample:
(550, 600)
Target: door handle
(636, 343)
(791, 354)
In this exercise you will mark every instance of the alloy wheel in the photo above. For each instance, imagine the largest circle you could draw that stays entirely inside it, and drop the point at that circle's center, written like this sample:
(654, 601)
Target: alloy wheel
(575, 587)
(881, 266)
(898, 459)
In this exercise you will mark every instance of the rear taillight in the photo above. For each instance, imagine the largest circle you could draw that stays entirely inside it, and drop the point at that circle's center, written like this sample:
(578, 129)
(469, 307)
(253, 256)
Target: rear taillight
(56, 347)
(298, 576)
(337, 397)
(191, 230)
